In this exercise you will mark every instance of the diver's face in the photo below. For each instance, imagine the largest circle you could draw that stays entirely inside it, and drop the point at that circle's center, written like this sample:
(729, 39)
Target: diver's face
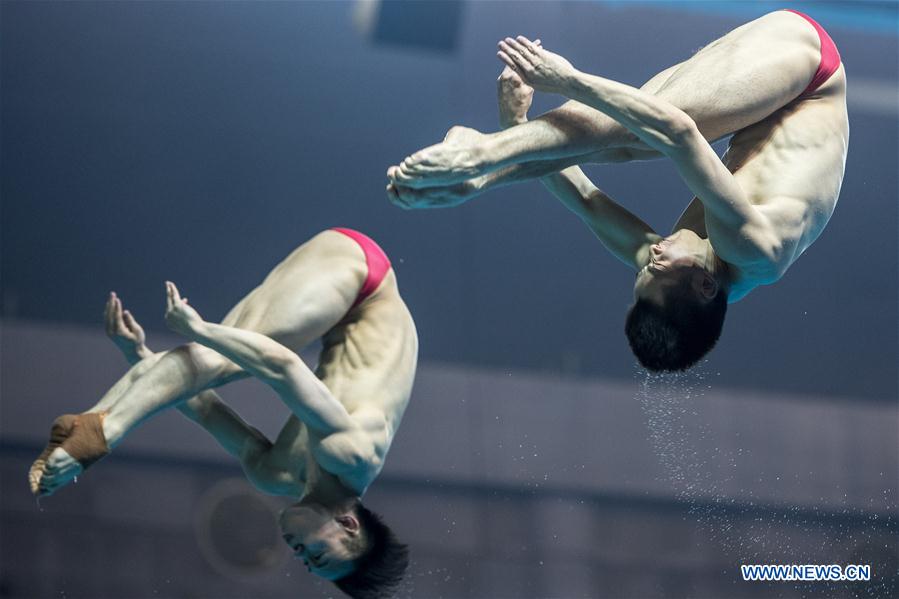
(678, 249)
(317, 537)
(671, 260)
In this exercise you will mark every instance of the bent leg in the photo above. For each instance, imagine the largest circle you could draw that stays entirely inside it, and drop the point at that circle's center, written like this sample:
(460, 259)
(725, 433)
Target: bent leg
(304, 296)
(728, 85)
(579, 131)
(176, 376)
(299, 301)
(307, 294)
(602, 139)
(146, 389)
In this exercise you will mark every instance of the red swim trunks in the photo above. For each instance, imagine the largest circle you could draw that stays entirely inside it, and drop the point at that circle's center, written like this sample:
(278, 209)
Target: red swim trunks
(377, 261)
(830, 57)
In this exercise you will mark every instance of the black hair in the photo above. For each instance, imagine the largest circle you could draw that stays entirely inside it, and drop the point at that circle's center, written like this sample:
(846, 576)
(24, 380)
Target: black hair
(677, 335)
(379, 570)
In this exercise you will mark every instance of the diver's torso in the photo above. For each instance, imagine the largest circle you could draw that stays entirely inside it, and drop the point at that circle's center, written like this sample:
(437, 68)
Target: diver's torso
(791, 167)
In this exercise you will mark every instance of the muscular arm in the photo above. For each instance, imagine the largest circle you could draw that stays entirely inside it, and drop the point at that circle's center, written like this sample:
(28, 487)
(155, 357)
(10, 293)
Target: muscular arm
(269, 361)
(208, 410)
(669, 130)
(659, 124)
(238, 438)
(281, 369)
(625, 235)
(513, 112)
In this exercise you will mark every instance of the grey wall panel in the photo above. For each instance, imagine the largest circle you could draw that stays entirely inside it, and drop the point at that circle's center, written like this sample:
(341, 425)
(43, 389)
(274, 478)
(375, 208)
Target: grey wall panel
(668, 436)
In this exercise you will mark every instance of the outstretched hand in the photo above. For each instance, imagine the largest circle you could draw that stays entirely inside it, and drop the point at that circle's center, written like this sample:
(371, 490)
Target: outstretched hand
(539, 68)
(514, 98)
(179, 316)
(124, 330)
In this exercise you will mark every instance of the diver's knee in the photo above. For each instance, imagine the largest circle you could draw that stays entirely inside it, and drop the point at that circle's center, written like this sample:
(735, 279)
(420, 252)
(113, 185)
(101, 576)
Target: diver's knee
(206, 365)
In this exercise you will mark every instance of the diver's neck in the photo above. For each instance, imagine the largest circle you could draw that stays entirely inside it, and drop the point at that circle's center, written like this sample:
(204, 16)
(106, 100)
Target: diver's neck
(328, 491)
(721, 270)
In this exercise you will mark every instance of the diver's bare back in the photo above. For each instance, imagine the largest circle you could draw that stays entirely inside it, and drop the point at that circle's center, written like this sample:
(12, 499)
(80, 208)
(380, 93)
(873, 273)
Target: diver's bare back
(368, 359)
(790, 163)
(368, 362)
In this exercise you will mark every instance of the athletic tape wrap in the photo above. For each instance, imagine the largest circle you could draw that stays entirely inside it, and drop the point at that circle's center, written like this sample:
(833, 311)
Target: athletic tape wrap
(81, 436)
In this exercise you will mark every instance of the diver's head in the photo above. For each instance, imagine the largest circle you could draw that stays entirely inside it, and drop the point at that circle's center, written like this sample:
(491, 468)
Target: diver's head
(680, 299)
(327, 541)
(352, 547)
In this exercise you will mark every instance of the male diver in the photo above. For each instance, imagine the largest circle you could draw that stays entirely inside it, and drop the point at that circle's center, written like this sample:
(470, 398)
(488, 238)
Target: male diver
(340, 287)
(775, 83)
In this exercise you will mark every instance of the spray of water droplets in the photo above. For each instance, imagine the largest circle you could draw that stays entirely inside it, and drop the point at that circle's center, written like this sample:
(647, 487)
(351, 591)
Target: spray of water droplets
(431, 578)
(749, 531)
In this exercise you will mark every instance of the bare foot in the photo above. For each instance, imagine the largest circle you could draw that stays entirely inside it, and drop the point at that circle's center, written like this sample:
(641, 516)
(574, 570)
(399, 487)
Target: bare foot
(56, 471)
(409, 198)
(460, 156)
(76, 442)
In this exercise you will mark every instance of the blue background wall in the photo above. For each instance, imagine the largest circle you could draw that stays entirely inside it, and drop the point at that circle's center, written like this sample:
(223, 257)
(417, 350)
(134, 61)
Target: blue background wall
(203, 141)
